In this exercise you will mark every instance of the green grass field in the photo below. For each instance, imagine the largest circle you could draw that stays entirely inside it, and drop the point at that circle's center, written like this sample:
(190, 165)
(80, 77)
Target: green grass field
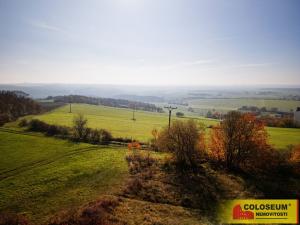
(233, 104)
(40, 176)
(119, 122)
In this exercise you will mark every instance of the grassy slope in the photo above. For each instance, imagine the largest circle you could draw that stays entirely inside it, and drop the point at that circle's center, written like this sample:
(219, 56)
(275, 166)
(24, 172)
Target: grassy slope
(119, 122)
(52, 174)
(282, 137)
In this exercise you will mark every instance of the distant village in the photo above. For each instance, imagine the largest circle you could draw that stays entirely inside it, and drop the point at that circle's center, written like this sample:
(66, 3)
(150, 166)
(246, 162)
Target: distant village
(271, 117)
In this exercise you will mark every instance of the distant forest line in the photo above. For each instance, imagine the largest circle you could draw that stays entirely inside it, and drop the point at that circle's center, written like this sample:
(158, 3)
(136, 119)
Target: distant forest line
(120, 103)
(15, 104)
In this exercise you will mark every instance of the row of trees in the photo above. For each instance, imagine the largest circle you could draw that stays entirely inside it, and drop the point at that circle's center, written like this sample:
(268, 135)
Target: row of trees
(285, 121)
(78, 132)
(95, 136)
(239, 142)
(14, 104)
(121, 103)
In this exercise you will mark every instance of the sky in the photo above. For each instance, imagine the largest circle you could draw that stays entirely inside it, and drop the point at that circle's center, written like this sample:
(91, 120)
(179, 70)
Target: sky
(150, 42)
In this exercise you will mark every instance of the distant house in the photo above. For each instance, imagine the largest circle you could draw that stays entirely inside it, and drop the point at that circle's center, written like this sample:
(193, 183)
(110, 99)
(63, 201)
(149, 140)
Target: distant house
(297, 115)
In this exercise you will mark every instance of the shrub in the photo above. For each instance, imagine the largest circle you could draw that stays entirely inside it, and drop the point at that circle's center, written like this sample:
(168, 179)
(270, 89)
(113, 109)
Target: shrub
(55, 130)
(4, 118)
(97, 136)
(139, 162)
(51, 130)
(180, 114)
(120, 139)
(98, 213)
(135, 145)
(12, 219)
(105, 136)
(295, 155)
(94, 136)
(295, 159)
(79, 127)
(153, 140)
(185, 139)
(38, 126)
(23, 123)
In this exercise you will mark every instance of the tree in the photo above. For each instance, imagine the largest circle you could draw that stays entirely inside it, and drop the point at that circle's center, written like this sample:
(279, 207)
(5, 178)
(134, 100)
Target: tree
(179, 114)
(239, 140)
(105, 136)
(14, 104)
(79, 127)
(209, 114)
(185, 139)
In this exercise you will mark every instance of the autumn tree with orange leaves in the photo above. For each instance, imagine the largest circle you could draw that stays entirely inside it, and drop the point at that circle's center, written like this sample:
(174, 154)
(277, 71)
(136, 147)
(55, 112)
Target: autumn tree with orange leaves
(240, 141)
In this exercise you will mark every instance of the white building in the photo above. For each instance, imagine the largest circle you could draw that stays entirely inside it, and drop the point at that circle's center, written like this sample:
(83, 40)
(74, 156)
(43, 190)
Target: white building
(297, 115)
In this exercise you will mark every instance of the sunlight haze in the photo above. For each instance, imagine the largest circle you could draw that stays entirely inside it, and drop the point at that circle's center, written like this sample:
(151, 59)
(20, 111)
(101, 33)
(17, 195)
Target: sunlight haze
(150, 42)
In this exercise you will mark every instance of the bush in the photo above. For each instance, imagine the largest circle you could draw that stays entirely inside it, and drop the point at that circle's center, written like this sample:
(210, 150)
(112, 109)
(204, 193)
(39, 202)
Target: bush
(98, 213)
(153, 140)
(55, 130)
(4, 118)
(23, 123)
(12, 219)
(139, 162)
(38, 126)
(120, 139)
(51, 130)
(96, 136)
(80, 133)
(93, 136)
(295, 159)
(105, 136)
(180, 114)
(79, 128)
(185, 139)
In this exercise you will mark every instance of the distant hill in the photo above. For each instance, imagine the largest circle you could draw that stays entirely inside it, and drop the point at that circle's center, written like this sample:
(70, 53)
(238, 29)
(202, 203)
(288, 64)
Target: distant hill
(92, 90)
(141, 98)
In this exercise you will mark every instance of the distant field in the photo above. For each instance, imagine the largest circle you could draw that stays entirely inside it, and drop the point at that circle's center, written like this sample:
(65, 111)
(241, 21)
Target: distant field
(231, 104)
(282, 137)
(40, 176)
(119, 122)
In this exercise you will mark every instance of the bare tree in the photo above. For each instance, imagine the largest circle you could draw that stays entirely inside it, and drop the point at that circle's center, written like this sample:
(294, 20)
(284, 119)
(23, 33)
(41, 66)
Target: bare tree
(185, 140)
(79, 127)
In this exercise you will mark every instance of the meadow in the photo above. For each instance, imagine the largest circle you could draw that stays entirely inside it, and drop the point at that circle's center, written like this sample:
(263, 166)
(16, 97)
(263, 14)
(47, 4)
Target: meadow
(119, 122)
(235, 103)
(39, 176)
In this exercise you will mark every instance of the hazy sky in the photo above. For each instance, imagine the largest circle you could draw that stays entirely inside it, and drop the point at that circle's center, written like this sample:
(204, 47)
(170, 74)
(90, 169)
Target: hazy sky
(154, 42)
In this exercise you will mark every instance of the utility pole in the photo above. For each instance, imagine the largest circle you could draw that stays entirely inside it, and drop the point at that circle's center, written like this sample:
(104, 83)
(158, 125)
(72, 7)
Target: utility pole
(133, 111)
(70, 102)
(170, 108)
